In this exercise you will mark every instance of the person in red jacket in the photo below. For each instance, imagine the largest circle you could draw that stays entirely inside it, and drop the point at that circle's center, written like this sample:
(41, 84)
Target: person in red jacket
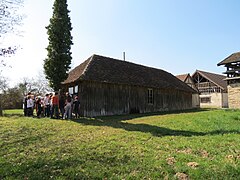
(55, 106)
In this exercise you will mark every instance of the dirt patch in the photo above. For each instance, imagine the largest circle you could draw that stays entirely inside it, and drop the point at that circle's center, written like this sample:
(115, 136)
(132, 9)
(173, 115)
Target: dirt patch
(181, 176)
(185, 151)
(230, 156)
(171, 160)
(204, 154)
(193, 165)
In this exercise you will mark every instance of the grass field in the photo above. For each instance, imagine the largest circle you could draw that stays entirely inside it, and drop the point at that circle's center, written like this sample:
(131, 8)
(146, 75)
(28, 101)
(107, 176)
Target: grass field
(191, 145)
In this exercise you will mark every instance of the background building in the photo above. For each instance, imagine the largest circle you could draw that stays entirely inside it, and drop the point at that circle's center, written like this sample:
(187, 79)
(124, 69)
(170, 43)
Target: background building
(187, 78)
(212, 89)
(232, 63)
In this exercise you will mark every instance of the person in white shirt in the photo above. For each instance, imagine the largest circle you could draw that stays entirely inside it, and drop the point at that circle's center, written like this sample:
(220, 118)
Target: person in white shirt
(30, 105)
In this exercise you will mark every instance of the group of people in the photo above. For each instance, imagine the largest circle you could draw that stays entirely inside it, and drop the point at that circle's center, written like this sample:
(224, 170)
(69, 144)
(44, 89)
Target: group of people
(52, 105)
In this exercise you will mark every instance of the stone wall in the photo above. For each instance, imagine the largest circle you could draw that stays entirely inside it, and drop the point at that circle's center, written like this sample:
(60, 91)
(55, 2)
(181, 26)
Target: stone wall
(234, 96)
(217, 100)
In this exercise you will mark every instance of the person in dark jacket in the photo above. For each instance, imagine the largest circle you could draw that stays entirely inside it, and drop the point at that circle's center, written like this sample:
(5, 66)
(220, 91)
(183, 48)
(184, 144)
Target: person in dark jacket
(61, 105)
(39, 107)
(76, 107)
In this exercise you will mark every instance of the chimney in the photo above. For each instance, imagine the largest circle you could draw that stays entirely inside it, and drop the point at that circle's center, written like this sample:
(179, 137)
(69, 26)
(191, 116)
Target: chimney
(124, 56)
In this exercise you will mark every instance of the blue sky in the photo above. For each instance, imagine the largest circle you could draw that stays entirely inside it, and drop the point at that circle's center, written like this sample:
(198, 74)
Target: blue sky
(178, 36)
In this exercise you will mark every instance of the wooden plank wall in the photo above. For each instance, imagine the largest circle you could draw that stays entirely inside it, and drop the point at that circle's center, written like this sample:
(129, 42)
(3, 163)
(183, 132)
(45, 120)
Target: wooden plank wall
(98, 99)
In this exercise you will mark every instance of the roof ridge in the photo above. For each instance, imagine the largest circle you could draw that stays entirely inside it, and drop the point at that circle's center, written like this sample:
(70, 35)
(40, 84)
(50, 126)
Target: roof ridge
(86, 67)
(146, 66)
(210, 73)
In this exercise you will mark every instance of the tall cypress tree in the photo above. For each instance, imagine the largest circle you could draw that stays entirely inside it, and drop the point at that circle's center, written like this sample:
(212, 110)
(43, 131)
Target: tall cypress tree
(58, 61)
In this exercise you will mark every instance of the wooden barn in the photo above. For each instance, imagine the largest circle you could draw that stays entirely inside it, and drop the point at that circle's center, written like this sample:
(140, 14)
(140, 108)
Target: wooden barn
(232, 64)
(107, 86)
(212, 89)
(187, 78)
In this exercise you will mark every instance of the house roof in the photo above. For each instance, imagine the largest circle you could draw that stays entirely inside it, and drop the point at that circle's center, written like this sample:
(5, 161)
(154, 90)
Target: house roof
(233, 58)
(109, 70)
(214, 78)
(182, 77)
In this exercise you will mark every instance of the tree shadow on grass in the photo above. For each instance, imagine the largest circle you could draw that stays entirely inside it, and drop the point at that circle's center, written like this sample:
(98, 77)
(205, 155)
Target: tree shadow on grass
(133, 116)
(145, 128)
(78, 166)
(119, 122)
(14, 115)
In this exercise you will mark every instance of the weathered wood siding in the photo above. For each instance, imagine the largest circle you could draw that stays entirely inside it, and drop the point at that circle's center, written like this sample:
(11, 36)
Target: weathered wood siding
(99, 99)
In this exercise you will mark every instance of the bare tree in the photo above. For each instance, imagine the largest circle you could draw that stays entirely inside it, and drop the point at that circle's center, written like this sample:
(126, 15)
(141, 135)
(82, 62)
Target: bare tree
(3, 84)
(10, 19)
(41, 84)
(3, 88)
(38, 85)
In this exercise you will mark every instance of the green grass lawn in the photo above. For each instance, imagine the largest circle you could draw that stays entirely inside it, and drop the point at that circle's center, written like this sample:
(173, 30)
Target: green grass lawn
(192, 145)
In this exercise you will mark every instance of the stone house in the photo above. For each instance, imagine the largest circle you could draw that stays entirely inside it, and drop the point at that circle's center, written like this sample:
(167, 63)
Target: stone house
(212, 89)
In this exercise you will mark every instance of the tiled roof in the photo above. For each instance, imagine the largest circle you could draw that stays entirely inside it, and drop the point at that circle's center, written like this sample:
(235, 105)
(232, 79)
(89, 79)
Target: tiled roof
(235, 57)
(215, 78)
(182, 77)
(77, 72)
(109, 70)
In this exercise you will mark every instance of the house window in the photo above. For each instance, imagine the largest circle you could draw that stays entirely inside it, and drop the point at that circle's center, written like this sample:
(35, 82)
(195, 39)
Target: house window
(70, 90)
(205, 100)
(76, 89)
(150, 96)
